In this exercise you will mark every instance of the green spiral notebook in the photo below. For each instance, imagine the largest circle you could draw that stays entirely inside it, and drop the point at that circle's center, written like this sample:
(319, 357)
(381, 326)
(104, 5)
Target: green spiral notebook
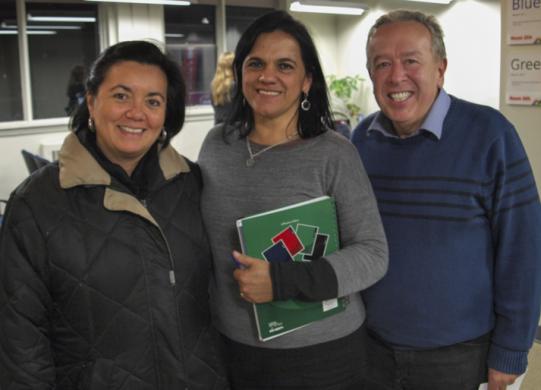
(304, 231)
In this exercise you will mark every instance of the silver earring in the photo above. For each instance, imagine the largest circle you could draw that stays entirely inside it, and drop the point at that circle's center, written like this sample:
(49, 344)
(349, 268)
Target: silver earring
(91, 124)
(163, 136)
(305, 104)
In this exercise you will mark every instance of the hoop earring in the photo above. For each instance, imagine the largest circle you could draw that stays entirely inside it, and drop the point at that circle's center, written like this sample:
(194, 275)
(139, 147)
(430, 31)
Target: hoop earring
(91, 125)
(305, 103)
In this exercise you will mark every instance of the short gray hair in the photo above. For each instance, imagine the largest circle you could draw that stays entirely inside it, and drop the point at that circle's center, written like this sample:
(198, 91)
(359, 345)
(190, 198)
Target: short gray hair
(429, 21)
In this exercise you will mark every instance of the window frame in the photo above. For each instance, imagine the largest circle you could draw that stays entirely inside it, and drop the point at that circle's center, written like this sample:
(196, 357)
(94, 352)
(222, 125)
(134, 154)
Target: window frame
(28, 125)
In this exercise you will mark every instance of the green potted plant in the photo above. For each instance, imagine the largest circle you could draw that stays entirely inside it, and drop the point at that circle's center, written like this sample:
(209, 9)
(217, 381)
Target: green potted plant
(345, 97)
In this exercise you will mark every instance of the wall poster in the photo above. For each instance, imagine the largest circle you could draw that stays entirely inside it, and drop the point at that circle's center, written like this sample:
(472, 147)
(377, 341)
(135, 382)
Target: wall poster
(524, 22)
(524, 79)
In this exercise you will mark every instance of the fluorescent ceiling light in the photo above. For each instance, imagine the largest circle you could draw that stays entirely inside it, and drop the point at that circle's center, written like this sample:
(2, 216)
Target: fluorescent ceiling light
(33, 32)
(163, 2)
(432, 1)
(53, 27)
(7, 25)
(62, 19)
(174, 35)
(328, 7)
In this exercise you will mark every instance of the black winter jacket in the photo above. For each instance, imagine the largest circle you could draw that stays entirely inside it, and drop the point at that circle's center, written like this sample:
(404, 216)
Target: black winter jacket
(100, 291)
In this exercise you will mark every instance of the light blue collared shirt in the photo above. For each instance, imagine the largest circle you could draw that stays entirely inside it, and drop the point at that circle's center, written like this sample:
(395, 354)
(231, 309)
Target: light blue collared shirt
(433, 122)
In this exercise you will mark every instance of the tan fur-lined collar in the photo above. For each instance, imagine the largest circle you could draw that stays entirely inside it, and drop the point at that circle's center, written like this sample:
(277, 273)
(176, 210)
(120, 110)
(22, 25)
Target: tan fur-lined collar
(78, 167)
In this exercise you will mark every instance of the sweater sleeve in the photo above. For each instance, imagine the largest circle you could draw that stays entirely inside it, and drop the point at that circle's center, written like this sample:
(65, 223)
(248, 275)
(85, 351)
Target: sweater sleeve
(26, 360)
(516, 228)
(363, 257)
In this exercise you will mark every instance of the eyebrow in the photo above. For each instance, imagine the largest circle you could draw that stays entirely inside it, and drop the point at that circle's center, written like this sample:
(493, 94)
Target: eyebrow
(282, 59)
(406, 54)
(288, 60)
(128, 89)
(376, 58)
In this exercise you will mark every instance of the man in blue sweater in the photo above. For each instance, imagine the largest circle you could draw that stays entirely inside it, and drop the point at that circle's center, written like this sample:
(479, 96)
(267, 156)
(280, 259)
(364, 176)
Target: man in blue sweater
(460, 302)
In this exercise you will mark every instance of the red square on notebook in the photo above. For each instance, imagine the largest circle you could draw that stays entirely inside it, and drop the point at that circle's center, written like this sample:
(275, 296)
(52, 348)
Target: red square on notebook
(290, 239)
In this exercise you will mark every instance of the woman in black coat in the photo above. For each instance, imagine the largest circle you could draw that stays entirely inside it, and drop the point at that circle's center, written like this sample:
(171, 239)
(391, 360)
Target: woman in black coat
(104, 261)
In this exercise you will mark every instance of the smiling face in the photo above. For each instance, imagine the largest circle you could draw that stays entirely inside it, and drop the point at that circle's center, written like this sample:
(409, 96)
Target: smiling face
(129, 111)
(405, 73)
(273, 77)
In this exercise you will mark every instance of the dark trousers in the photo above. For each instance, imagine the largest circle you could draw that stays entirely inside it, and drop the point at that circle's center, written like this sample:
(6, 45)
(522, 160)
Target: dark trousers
(334, 365)
(457, 367)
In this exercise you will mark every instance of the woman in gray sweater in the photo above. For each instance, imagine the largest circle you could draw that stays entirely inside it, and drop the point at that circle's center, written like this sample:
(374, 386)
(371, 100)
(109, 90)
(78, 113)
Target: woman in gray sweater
(275, 150)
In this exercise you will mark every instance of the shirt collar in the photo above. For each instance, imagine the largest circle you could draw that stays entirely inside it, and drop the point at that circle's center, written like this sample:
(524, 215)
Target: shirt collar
(433, 122)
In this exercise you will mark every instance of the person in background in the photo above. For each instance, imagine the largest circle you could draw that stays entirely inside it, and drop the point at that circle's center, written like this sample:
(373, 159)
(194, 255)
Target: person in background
(76, 88)
(276, 149)
(460, 303)
(223, 87)
(104, 260)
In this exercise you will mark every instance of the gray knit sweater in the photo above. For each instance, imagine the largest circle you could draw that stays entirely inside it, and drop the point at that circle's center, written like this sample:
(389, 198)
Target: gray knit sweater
(297, 171)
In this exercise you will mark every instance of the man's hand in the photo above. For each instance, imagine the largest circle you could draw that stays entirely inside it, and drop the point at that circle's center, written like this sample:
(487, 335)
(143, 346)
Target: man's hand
(253, 278)
(498, 380)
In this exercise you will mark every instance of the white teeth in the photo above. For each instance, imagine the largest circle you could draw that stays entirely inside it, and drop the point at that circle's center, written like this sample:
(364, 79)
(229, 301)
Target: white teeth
(400, 96)
(271, 93)
(131, 130)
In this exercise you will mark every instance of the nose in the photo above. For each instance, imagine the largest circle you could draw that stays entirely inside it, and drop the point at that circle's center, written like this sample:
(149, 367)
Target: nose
(136, 110)
(267, 75)
(398, 73)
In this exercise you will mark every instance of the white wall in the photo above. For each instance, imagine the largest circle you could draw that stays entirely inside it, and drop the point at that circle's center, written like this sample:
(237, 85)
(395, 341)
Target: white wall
(189, 140)
(322, 28)
(472, 38)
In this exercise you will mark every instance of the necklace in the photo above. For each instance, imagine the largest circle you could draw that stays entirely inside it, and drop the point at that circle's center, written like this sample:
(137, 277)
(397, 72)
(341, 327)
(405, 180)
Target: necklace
(250, 162)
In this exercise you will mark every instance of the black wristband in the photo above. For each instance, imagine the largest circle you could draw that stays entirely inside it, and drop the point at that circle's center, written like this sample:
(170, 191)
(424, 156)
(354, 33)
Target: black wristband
(307, 281)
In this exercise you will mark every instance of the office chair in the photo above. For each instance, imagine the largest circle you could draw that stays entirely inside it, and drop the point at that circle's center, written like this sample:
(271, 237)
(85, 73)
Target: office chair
(33, 161)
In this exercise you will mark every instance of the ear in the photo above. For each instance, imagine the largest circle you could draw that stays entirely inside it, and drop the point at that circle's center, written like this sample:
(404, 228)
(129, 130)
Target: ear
(90, 104)
(442, 67)
(307, 83)
(371, 75)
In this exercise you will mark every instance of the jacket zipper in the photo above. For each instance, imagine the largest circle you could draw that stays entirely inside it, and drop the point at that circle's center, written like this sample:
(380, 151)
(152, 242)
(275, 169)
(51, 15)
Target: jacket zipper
(172, 281)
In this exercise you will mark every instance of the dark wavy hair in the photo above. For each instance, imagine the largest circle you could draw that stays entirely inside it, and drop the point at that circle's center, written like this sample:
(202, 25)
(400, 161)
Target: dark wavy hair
(142, 52)
(311, 123)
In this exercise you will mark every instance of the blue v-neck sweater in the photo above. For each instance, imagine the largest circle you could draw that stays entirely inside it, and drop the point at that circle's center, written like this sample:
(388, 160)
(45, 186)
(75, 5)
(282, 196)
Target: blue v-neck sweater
(463, 222)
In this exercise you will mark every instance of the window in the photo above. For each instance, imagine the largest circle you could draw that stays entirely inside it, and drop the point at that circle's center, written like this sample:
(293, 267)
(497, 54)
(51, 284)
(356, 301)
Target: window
(62, 41)
(41, 74)
(10, 77)
(237, 21)
(190, 40)
(67, 51)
